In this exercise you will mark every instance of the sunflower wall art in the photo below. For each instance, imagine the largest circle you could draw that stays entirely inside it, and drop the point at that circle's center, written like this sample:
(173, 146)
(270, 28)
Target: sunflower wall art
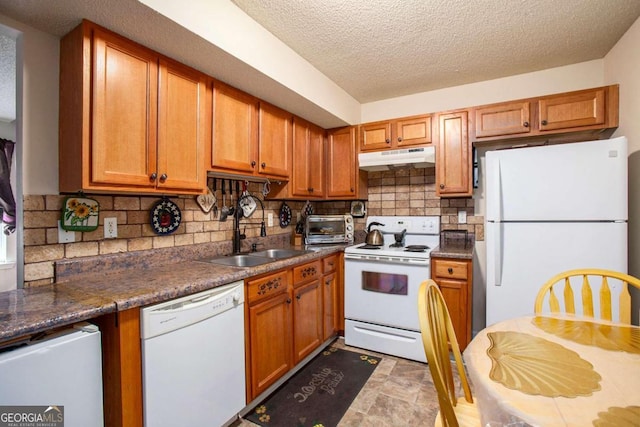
(80, 214)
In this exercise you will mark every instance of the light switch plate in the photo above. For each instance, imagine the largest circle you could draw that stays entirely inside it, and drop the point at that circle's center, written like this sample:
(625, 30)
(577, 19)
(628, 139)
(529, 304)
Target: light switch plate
(462, 217)
(270, 219)
(65, 236)
(110, 228)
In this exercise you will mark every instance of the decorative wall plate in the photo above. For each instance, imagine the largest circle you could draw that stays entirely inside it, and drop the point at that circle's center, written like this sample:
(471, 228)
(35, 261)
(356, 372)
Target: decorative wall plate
(80, 214)
(285, 215)
(165, 217)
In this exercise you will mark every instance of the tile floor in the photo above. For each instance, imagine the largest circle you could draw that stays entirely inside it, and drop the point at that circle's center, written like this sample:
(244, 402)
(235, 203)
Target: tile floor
(399, 393)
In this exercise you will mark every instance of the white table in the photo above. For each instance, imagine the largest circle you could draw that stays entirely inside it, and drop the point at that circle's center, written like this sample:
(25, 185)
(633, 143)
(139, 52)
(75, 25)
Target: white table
(556, 371)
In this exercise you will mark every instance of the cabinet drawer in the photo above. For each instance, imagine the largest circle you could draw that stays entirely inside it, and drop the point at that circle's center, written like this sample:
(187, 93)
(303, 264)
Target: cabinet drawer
(267, 286)
(307, 272)
(329, 264)
(451, 269)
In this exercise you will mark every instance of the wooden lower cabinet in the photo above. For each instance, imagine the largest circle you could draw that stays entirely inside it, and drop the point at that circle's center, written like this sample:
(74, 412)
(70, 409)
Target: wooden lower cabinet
(285, 314)
(330, 296)
(269, 318)
(307, 319)
(455, 279)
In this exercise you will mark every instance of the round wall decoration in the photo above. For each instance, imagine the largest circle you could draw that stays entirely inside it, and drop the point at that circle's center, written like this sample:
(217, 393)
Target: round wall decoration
(285, 215)
(165, 217)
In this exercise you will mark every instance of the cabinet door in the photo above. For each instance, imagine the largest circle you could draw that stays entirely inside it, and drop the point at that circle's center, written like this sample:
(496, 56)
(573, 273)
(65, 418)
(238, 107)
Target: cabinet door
(307, 319)
(300, 165)
(330, 305)
(503, 119)
(412, 131)
(124, 113)
(455, 296)
(235, 130)
(586, 108)
(275, 141)
(315, 155)
(342, 163)
(375, 136)
(455, 278)
(270, 341)
(182, 128)
(453, 159)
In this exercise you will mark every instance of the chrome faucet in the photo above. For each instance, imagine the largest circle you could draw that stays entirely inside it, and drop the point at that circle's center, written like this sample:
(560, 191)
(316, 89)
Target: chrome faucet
(238, 214)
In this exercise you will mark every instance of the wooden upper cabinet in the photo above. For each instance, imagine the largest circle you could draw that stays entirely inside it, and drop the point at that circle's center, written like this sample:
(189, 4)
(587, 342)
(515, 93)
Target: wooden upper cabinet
(453, 156)
(342, 163)
(274, 142)
(121, 107)
(582, 113)
(412, 131)
(124, 116)
(182, 127)
(399, 133)
(307, 178)
(584, 108)
(375, 136)
(503, 119)
(235, 130)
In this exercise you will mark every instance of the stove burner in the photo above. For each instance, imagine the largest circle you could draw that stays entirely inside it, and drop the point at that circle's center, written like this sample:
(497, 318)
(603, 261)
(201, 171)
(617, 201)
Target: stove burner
(396, 245)
(416, 248)
(365, 246)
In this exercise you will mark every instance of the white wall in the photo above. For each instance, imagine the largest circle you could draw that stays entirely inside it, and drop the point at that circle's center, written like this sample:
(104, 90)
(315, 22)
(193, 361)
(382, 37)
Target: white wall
(554, 80)
(622, 65)
(38, 107)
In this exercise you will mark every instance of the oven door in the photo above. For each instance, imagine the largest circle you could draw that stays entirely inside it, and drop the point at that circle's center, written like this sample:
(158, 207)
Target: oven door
(383, 293)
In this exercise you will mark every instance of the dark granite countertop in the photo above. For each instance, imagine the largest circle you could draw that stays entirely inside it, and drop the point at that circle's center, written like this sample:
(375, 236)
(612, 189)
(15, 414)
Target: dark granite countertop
(88, 295)
(453, 251)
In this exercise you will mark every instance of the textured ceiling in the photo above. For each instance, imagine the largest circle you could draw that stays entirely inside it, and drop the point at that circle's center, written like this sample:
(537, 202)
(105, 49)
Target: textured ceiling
(378, 49)
(373, 49)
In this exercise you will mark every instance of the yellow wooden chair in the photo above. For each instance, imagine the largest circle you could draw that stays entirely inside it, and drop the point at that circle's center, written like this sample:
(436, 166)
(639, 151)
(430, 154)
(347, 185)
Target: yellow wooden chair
(439, 338)
(603, 277)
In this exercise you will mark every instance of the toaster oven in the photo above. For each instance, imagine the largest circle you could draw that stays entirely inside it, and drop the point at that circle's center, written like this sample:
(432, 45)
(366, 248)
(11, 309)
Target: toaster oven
(323, 229)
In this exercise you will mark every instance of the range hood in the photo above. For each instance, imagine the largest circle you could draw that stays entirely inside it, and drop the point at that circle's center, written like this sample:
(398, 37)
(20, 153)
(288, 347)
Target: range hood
(421, 157)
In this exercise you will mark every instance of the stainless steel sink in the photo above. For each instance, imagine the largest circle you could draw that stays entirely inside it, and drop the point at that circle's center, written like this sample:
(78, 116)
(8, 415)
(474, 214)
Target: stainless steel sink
(239, 260)
(279, 253)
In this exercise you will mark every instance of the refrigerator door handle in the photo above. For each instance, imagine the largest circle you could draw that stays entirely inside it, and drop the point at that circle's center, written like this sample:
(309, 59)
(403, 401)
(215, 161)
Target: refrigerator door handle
(497, 256)
(495, 210)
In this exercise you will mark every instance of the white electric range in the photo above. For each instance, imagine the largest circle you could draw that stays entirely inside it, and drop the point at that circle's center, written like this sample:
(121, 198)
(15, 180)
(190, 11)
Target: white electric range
(381, 286)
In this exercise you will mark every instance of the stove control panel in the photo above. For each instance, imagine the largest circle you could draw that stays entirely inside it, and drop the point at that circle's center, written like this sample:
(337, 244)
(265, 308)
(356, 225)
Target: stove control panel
(412, 224)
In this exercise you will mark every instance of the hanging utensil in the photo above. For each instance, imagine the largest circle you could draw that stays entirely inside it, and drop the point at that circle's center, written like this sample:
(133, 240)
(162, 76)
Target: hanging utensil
(246, 201)
(206, 201)
(215, 198)
(232, 206)
(224, 212)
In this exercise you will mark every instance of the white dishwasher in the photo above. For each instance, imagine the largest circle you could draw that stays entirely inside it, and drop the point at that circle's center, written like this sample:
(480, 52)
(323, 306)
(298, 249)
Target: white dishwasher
(193, 359)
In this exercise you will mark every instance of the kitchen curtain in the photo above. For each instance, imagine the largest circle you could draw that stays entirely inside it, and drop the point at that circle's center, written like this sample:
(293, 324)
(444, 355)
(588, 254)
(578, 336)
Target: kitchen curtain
(7, 202)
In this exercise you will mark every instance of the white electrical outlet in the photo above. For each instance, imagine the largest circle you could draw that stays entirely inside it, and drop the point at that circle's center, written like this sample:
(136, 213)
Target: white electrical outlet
(65, 236)
(110, 228)
(462, 217)
(270, 219)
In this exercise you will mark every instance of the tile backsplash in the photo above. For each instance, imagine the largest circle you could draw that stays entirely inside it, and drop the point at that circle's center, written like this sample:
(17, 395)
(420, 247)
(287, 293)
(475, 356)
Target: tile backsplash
(400, 192)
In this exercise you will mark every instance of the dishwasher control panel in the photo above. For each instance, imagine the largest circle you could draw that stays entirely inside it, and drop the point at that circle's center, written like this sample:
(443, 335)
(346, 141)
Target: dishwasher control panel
(171, 315)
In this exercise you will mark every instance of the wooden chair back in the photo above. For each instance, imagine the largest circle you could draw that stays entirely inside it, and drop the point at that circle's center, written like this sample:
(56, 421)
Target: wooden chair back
(439, 339)
(605, 279)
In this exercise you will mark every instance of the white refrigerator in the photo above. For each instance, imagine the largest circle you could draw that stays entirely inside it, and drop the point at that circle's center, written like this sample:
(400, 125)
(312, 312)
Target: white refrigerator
(550, 209)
